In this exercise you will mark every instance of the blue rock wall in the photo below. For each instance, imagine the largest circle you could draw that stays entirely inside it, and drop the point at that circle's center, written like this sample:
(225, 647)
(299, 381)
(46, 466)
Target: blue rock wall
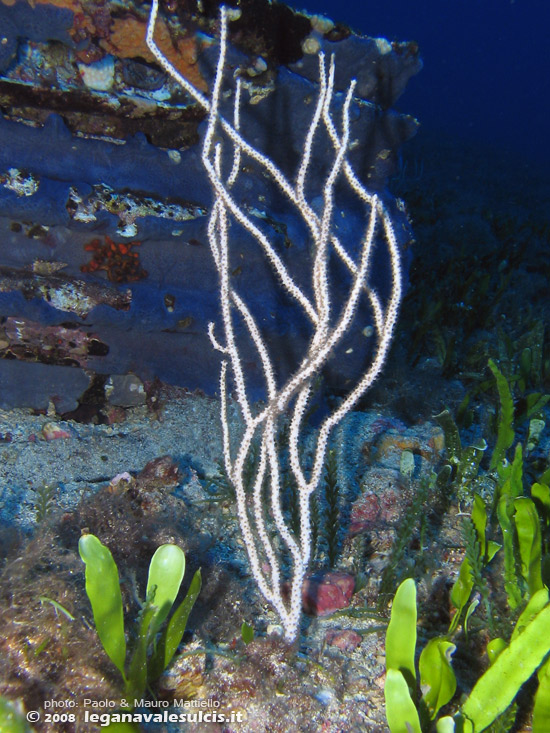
(109, 235)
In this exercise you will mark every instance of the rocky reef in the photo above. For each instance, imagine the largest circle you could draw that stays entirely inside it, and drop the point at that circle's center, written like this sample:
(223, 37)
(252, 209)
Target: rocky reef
(105, 267)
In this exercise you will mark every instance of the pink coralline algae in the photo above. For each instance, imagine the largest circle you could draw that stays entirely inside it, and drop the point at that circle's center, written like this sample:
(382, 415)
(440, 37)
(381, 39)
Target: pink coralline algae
(371, 511)
(28, 340)
(325, 592)
(52, 431)
(346, 639)
(364, 514)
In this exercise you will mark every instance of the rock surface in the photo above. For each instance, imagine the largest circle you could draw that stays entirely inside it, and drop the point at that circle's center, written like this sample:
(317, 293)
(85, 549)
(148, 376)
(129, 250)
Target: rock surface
(104, 203)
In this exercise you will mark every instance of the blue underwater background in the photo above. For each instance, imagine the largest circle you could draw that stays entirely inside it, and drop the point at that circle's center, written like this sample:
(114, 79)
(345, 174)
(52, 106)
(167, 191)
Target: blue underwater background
(110, 386)
(485, 77)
